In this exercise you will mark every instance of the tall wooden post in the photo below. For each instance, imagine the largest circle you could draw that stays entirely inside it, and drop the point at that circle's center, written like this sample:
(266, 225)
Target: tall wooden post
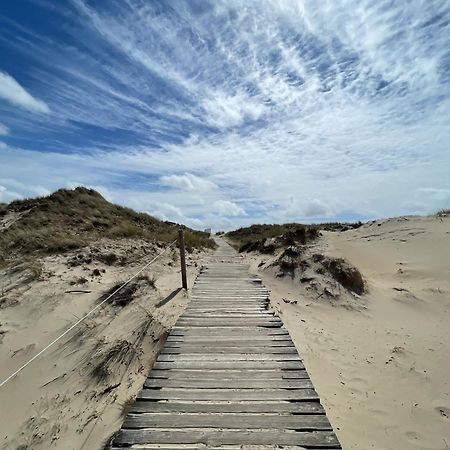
(182, 258)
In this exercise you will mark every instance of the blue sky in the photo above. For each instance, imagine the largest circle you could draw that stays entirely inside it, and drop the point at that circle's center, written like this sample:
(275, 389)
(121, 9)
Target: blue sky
(225, 113)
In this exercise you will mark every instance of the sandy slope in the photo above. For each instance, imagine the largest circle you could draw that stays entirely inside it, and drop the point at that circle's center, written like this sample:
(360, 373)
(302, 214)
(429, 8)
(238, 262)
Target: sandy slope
(381, 364)
(66, 399)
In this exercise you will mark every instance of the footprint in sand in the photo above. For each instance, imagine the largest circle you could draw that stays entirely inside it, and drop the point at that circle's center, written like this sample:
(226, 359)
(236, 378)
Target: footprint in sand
(443, 412)
(24, 350)
(356, 385)
(413, 437)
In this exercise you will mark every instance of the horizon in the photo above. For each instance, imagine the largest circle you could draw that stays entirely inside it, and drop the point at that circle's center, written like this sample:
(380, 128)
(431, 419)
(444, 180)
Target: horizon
(220, 116)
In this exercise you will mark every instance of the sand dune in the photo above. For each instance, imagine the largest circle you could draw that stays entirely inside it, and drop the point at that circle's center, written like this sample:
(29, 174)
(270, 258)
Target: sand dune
(75, 395)
(380, 362)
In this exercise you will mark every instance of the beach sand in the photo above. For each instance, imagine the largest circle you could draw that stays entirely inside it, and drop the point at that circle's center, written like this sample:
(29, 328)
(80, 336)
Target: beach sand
(379, 362)
(75, 395)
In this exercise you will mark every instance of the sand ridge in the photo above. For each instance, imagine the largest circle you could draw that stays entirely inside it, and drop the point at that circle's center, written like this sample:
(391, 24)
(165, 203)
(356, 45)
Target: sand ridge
(379, 362)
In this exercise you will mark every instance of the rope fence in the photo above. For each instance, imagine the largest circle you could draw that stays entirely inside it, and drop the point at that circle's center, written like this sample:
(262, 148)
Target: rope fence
(96, 308)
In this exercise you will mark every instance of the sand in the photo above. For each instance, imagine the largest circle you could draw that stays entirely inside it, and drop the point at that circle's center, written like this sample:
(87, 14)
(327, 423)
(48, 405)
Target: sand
(380, 362)
(76, 394)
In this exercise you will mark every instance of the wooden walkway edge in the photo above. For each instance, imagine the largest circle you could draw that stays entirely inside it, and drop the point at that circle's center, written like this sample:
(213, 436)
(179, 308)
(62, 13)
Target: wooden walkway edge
(229, 375)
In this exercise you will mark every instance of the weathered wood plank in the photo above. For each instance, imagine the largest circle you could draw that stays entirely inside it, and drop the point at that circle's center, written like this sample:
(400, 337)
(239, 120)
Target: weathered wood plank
(228, 394)
(227, 314)
(217, 297)
(226, 374)
(311, 439)
(235, 304)
(207, 365)
(229, 323)
(227, 357)
(255, 337)
(235, 421)
(280, 407)
(204, 349)
(209, 447)
(225, 308)
(200, 382)
(226, 341)
(186, 331)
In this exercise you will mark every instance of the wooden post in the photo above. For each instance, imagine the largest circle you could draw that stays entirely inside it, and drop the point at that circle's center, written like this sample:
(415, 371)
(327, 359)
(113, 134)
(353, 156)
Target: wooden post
(182, 258)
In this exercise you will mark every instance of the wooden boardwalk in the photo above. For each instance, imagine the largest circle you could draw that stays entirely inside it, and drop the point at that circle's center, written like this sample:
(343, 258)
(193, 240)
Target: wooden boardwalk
(228, 376)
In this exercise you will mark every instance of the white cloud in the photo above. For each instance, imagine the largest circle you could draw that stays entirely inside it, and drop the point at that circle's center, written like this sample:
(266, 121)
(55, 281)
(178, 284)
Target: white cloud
(165, 211)
(318, 108)
(4, 130)
(315, 208)
(12, 189)
(426, 200)
(15, 94)
(223, 111)
(188, 182)
(227, 208)
(7, 195)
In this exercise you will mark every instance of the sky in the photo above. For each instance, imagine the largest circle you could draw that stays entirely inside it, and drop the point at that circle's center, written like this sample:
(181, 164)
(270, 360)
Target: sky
(225, 113)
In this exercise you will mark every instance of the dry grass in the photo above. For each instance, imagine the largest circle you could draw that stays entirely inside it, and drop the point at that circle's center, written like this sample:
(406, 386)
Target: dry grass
(443, 212)
(108, 361)
(254, 237)
(123, 297)
(71, 219)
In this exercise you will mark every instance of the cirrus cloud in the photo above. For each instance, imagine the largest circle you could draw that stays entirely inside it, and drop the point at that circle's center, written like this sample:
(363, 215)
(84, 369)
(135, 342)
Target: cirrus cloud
(222, 115)
(14, 93)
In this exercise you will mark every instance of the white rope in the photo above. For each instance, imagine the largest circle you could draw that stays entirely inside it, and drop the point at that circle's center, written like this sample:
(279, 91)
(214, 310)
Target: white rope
(84, 317)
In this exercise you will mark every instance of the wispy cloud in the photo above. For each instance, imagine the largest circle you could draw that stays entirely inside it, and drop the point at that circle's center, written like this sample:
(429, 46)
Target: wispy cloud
(3, 130)
(13, 92)
(218, 114)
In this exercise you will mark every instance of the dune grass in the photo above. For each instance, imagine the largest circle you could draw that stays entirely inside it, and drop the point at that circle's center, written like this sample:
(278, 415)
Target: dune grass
(70, 219)
(253, 237)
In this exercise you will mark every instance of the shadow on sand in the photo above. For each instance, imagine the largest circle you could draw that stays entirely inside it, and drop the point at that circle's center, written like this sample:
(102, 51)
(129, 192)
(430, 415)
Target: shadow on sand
(168, 298)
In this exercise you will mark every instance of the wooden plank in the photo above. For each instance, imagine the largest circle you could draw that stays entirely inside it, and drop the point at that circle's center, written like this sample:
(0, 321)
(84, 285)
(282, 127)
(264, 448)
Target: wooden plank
(200, 382)
(204, 349)
(225, 374)
(263, 304)
(310, 439)
(217, 300)
(227, 357)
(259, 337)
(238, 319)
(201, 313)
(214, 296)
(230, 343)
(226, 341)
(244, 316)
(224, 300)
(280, 407)
(235, 421)
(186, 331)
(248, 324)
(207, 365)
(228, 394)
(229, 323)
(225, 308)
(260, 310)
(225, 296)
(203, 447)
(228, 290)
